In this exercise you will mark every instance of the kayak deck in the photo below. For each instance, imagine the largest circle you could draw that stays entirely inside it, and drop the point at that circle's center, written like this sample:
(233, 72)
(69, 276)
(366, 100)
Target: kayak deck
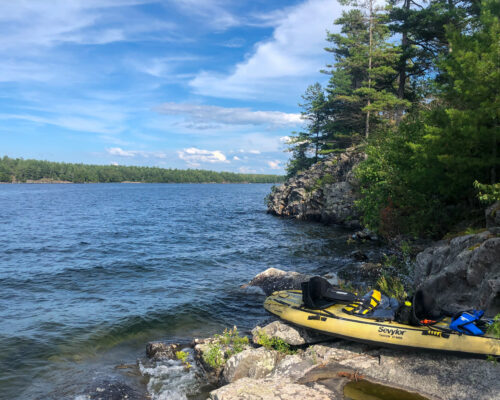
(333, 321)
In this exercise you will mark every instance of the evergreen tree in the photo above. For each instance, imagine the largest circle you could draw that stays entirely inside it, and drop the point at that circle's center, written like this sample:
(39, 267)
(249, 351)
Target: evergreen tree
(315, 113)
(364, 73)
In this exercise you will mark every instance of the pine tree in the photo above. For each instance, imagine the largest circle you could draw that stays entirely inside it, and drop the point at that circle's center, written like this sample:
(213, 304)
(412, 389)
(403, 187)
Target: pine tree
(365, 67)
(315, 113)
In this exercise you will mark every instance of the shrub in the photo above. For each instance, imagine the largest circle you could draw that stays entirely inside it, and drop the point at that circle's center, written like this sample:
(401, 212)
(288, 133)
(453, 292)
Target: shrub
(494, 328)
(224, 346)
(274, 343)
(392, 287)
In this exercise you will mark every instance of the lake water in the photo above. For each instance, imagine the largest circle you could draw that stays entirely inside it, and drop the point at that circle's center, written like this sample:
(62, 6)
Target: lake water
(90, 273)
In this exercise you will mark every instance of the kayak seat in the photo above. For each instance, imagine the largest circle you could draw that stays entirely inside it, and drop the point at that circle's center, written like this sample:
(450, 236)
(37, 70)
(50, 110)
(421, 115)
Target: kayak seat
(318, 294)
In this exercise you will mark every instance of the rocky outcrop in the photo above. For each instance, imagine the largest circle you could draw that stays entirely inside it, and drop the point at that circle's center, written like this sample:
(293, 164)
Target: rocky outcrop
(464, 272)
(250, 363)
(321, 371)
(325, 192)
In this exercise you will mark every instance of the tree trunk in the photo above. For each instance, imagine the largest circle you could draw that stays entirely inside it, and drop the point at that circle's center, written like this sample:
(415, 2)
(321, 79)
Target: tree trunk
(404, 48)
(367, 127)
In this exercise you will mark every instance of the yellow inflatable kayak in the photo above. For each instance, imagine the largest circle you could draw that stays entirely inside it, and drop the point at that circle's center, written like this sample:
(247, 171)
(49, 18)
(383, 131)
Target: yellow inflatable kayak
(333, 321)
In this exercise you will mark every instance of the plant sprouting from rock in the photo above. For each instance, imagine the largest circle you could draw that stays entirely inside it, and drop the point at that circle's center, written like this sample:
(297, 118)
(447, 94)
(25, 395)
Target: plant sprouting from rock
(224, 346)
(274, 343)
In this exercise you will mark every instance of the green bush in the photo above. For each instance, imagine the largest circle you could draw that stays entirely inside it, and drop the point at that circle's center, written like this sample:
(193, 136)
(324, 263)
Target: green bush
(494, 328)
(392, 287)
(214, 356)
(274, 343)
(224, 346)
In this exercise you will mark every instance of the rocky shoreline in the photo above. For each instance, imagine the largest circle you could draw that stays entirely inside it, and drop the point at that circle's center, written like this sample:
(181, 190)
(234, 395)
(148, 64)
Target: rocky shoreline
(277, 361)
(292, 363)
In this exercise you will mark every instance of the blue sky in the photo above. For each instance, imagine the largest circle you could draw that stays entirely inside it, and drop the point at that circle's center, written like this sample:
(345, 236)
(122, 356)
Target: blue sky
(209, 84)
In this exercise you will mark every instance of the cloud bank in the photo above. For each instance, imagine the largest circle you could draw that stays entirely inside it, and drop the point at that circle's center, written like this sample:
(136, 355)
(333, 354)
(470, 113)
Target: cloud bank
(194, 157)
(295, 51)
(206, 114)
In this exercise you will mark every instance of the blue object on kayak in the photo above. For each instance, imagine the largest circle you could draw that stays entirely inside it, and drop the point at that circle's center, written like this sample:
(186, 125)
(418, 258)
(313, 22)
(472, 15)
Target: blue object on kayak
(465, 322)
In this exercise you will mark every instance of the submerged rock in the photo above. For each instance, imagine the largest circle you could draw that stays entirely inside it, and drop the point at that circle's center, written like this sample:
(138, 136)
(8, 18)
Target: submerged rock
(113, 390)
(160, 350)
(325, 192)
(273, 279)
(463, 273)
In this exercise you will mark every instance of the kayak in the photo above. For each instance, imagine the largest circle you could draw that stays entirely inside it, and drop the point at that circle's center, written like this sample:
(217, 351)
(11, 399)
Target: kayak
(333, 321)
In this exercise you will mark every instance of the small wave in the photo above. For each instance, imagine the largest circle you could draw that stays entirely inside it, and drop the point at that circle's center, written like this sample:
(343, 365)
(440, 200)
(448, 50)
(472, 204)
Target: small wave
(170, 380)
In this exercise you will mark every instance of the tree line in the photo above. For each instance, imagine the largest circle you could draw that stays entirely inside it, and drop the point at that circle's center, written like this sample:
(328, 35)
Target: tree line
(20, 170)
(416, 85)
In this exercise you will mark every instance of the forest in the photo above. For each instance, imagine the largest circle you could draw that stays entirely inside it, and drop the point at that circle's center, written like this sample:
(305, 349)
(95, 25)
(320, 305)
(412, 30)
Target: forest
(415, 85)
(20, 170)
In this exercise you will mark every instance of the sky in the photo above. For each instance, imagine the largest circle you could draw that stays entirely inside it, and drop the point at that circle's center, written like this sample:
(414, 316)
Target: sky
(210, 84)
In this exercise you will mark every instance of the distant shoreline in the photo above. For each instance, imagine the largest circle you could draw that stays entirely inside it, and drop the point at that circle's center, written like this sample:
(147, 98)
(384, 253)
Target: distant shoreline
(18, 170)
(45, 182)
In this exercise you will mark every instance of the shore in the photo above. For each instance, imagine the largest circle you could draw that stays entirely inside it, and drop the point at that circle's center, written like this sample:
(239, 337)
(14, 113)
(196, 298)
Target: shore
(280, 361)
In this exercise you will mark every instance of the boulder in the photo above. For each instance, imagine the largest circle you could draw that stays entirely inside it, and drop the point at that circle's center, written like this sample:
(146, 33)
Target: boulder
(271, 389)
(250, 363)
(273, 279)
(292, 335)
(325, 192)
(462, 273)
(364, 234)
(292, 367)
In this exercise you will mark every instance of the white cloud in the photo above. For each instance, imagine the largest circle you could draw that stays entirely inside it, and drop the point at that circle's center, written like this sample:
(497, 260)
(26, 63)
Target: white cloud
(35, 23)
(74, 123)
(195, 157)
(274, 164)
(164, 67)
(209, 12)
(295, 51)
(236, 158)
(246, 170)
(118, 151)
(205, 116)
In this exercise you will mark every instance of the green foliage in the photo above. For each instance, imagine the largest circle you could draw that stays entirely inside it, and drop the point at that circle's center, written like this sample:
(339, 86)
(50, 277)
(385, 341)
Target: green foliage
(418, 178)
(232, 339)
(392, 287)
(214, 356)
(20, 170)
(426, 158)
(488, 193)
(274, 343)
(469, 231)
(492, 359)
(326, 179)
(181, 355)
(494, 328)
(224, 346)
